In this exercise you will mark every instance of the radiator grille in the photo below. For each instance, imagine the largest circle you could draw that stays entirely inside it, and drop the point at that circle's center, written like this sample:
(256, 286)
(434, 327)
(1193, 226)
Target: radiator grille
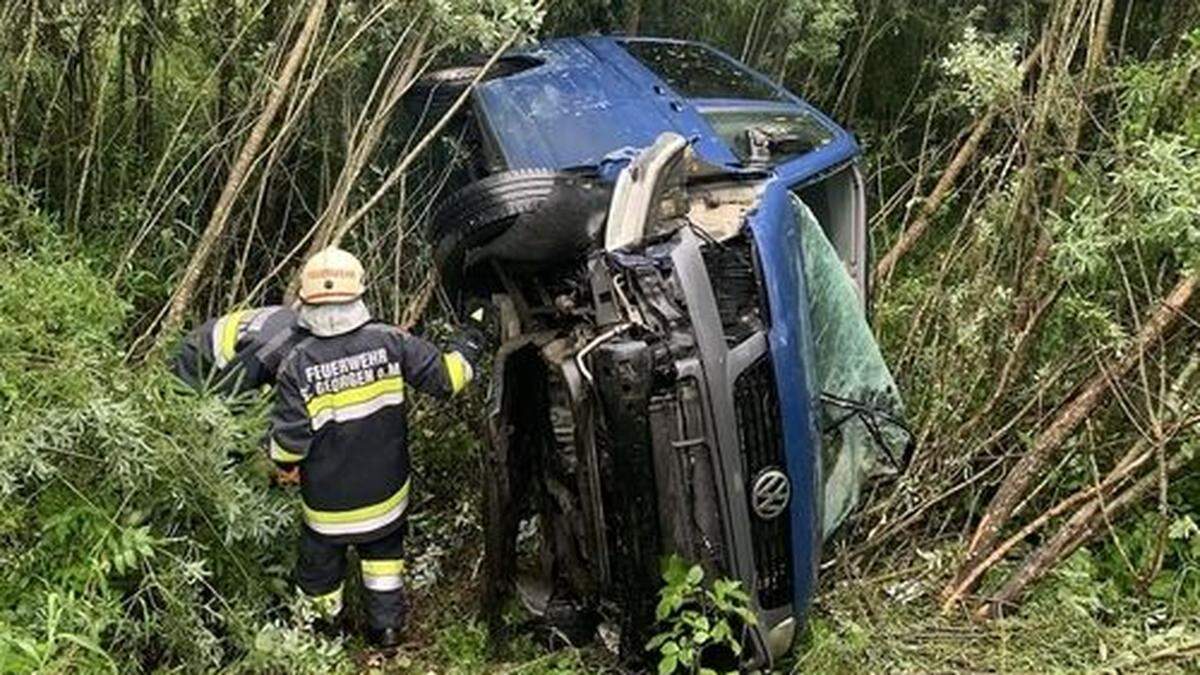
(735, 287)
(761, 438)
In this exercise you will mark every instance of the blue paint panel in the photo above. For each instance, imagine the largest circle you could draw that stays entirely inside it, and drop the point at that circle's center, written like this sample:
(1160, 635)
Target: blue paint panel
(791, 342)
(589, 98)
(830, 156)
(682, 115)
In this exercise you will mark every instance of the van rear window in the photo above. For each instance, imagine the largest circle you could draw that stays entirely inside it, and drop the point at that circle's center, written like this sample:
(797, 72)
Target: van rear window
(695, 71)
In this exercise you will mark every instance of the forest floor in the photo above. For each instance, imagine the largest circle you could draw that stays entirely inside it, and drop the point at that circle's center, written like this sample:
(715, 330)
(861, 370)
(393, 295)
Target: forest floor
(1080, 620)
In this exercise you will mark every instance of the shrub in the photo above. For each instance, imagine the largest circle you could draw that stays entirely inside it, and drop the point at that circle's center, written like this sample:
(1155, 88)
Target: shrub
(697, 619)
(128, 534)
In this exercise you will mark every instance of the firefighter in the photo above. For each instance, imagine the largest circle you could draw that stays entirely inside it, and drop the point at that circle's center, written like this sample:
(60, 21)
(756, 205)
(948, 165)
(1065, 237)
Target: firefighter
(340, 417)
(238, 352)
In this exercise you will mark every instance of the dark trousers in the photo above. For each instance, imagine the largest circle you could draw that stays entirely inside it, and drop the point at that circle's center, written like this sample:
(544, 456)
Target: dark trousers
(321, 570)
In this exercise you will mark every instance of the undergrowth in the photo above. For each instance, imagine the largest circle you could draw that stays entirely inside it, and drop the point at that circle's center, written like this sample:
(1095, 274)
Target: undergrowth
(137, 530)
(129, 533)
(1082, 619)
(132, 538)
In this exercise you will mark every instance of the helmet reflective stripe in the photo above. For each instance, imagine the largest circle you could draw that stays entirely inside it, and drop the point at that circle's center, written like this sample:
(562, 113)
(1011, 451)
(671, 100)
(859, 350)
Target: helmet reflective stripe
(224, 338)
(459, 369)
(382, 575)
(360, 520)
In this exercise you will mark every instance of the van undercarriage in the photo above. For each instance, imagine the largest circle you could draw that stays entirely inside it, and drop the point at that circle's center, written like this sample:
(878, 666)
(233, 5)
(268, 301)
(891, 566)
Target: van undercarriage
(634, 414)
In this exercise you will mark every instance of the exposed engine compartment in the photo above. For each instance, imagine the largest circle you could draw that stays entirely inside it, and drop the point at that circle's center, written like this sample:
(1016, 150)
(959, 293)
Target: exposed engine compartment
(603, 435)
(667, 382)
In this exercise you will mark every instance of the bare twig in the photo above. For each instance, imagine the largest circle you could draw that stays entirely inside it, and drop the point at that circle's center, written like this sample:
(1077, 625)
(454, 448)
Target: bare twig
(945, 185)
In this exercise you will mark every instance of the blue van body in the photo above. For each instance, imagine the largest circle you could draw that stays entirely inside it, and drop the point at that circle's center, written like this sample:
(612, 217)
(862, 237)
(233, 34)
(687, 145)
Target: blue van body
(591, 97)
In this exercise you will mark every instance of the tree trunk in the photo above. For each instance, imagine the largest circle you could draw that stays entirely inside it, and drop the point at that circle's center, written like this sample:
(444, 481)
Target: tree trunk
(143, 79)
(1085, 524)
(945, 184)
(225, 68)
(633, 18)
(908, 238)
(1097, 50)
(1180, 403)
(186, 289)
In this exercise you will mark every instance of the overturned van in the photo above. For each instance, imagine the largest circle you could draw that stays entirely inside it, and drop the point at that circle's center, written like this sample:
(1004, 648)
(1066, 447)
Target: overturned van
(676, 252)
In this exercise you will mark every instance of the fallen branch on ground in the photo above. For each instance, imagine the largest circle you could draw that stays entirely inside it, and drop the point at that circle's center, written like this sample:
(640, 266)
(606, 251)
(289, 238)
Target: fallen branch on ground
(1081, 528)
(1071, 414)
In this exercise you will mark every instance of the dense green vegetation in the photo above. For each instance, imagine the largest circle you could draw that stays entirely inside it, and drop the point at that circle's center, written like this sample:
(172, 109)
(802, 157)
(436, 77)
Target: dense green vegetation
(1034, 173)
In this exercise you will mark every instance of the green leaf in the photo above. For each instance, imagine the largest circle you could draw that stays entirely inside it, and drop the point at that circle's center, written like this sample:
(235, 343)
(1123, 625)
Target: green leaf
(1183, 527)
(674, 570)
(1163, 586)
(737, 593)
(663, 610)
(670, 648)
(667, 665)
(693, 619)
(695, 575)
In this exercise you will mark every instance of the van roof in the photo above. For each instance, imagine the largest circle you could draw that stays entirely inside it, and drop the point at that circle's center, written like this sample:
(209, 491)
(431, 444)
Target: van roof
(588, 97)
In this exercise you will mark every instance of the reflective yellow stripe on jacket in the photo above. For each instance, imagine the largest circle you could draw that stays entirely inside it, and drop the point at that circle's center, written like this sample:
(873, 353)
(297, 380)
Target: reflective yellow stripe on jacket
(356, 402)
(225, 337)
(459, 370)
(361, 520)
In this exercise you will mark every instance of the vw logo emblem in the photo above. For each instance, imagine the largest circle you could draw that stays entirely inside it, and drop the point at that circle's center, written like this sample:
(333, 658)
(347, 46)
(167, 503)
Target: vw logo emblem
(770, 493)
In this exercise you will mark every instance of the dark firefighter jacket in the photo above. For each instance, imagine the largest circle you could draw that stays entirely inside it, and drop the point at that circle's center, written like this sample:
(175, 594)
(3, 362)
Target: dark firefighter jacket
(237, 352)
(340, 413)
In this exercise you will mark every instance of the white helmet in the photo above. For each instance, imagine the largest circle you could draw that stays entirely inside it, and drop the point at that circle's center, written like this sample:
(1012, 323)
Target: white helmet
(331, 276)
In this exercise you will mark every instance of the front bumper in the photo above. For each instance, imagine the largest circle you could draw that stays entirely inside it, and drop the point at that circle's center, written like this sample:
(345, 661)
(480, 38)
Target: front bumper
(750, 401)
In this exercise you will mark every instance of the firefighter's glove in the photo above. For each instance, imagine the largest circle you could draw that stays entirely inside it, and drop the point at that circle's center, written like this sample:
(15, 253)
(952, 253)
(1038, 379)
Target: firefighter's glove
(469, 341)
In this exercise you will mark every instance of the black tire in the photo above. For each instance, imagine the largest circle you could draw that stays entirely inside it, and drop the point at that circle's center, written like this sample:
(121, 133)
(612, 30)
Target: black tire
(481, 211)
(434, 92)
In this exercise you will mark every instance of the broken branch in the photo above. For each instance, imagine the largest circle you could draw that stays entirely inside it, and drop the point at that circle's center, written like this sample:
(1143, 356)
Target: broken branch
(1047, 443)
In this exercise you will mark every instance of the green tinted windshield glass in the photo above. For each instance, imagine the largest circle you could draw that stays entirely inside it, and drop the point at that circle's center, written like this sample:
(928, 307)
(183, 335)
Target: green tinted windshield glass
(792, 133)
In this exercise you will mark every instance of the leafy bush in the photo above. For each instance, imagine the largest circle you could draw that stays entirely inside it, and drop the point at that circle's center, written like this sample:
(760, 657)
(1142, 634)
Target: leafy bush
(986, 69)
(696, 618)
(128, 536)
